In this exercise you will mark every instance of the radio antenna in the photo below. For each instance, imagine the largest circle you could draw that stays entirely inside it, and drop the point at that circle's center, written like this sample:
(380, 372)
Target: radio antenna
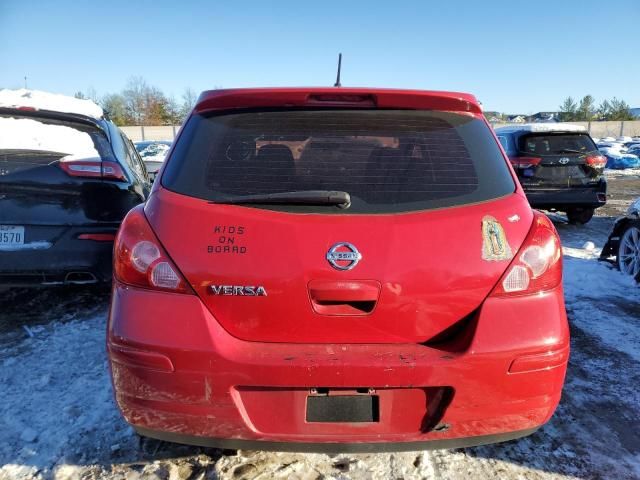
(337, 84)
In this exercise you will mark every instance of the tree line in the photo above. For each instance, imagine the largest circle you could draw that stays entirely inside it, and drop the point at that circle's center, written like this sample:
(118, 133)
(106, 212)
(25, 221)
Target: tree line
(142, 104)
(586, 110)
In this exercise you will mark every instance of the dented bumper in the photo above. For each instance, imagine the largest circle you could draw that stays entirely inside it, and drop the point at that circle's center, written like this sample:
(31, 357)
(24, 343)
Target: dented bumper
(180, 376)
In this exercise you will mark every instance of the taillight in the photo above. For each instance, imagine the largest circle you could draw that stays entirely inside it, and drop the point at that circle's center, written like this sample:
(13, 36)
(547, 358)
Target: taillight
(596, 161)
(93, 168)
(140, 260)
(525, 162)
(538, 265)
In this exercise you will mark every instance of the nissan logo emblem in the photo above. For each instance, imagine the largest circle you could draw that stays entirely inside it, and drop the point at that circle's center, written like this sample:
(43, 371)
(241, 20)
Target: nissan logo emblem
(343, 256)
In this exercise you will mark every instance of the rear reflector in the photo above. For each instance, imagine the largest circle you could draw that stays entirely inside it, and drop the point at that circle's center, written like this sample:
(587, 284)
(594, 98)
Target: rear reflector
(140, 358)
(97, 237)
(540, 361)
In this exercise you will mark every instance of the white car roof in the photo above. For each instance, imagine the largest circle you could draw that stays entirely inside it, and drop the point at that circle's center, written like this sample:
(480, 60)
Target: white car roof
(48, 101)
(541, 127)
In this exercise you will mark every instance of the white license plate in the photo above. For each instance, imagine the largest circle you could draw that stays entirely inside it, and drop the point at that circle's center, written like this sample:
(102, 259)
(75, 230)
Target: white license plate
(11, 235)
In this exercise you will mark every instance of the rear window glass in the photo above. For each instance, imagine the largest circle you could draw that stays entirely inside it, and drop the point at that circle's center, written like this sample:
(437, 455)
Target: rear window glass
(557, 144)
(43, 140)
(387, 160)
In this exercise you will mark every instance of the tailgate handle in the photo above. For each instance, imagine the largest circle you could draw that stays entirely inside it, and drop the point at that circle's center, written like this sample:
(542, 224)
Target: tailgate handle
(344, 297)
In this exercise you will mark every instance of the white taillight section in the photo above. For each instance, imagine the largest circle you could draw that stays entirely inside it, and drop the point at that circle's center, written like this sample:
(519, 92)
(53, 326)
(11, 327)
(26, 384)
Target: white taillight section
(537, 259)
(85, 168)
(143, 254)
(538, 265)
(163, 275)
(517, 280)
(92, 168)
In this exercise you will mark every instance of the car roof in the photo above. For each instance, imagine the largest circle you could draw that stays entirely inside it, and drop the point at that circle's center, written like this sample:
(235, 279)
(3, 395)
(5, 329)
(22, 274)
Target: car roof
(33, 113)
(542, 127)
(336, 97)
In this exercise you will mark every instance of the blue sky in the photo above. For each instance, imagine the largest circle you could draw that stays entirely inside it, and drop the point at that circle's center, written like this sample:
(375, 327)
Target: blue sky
(516, 57)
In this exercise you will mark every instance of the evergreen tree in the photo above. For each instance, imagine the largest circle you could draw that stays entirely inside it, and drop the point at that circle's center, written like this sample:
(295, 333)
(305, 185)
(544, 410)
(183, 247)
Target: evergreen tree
(568, 110)
(587, 109)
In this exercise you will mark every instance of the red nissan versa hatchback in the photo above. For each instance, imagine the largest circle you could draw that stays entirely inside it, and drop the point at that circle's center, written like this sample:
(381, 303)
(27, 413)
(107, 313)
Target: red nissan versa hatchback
(337, 269)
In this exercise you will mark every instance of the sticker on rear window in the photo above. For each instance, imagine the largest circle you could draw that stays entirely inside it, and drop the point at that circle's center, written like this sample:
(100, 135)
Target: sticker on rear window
(494, 240)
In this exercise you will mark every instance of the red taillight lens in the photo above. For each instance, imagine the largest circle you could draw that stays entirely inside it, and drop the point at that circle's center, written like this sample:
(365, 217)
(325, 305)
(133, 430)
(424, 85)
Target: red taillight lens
(140, 260)
(538, 265)
(97, 237)
(525, 162)
(93, 169)
(596, 161)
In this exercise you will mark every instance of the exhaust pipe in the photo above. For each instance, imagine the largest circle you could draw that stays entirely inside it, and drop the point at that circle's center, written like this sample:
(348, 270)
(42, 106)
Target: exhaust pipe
(80, 278)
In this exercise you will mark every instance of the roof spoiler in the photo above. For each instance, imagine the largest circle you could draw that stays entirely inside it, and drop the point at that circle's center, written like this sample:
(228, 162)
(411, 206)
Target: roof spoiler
(51, 114)
(214, 100)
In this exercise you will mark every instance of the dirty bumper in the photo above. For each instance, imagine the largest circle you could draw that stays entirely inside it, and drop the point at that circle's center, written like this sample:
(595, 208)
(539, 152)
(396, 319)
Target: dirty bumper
(179, 376)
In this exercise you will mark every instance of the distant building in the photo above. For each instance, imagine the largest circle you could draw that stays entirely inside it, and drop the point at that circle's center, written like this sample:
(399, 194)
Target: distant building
(635, 112)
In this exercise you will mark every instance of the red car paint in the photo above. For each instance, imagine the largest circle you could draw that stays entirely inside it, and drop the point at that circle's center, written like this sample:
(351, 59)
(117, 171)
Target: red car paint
(423, 323)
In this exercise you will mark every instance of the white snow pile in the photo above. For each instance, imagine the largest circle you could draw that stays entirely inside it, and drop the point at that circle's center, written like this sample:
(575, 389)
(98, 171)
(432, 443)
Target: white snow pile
(27, 134)
(48, 101)
(627, 172)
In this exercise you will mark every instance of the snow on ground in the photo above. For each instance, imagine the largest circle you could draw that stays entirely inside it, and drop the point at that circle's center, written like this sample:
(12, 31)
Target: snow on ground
(27, 134)
(631, 172)
(58, 419)
(48, 101)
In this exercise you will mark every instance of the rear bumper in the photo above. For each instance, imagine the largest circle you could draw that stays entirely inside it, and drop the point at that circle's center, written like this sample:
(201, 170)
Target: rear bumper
(61, 259)
(178, 375)
(328, 447)
(564, 198)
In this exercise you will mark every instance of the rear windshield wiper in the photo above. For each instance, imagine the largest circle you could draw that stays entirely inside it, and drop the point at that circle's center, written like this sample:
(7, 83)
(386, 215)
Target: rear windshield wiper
(303, 197)
(571, 150)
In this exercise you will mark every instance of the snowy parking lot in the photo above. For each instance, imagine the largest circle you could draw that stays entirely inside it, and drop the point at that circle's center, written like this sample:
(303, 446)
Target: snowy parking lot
(58, 418)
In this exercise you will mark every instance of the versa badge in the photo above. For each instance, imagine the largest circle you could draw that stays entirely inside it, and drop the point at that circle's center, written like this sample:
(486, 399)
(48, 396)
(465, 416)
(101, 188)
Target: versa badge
(494, 241)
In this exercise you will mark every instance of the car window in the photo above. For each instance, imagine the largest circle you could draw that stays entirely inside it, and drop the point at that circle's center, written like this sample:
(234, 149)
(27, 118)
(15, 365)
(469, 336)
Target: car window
(133, 159)
(556, 144)
(504, 141)
(387, 160)
(51, 138)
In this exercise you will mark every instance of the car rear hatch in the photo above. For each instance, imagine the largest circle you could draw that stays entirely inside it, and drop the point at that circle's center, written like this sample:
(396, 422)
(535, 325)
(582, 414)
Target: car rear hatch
(558, 160)
(56, 172)
(252, 209)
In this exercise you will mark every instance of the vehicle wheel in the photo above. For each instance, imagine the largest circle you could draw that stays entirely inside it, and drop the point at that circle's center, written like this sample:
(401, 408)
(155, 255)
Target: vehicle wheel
(628, 258)
(579, 215)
